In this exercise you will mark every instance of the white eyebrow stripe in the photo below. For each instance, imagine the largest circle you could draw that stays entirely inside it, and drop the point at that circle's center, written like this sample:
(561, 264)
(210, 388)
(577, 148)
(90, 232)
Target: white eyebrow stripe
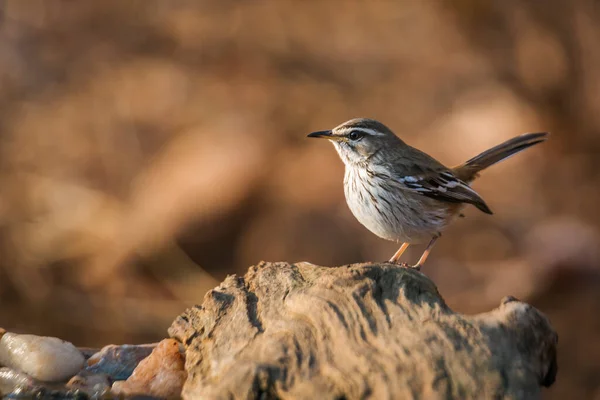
(364, 130)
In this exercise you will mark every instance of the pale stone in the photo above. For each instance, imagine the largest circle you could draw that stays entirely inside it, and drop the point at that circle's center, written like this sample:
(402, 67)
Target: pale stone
(11, 379)
(44, 358)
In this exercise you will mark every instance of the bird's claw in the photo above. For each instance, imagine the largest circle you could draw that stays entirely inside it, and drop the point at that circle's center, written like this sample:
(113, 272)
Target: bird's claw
(405, 265)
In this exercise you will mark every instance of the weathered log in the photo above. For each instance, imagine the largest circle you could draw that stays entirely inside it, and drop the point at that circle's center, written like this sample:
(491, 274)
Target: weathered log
(300, 331)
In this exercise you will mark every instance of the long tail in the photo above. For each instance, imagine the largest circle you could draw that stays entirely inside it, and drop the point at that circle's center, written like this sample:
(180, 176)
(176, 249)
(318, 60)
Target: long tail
(469, 169)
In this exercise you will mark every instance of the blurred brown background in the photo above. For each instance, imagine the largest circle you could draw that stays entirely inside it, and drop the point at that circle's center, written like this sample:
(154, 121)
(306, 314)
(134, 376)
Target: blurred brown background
(149, 148)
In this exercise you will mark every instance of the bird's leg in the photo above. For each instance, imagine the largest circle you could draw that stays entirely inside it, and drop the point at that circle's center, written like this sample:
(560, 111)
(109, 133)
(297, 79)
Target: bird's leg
(425, 254)
(399, 253)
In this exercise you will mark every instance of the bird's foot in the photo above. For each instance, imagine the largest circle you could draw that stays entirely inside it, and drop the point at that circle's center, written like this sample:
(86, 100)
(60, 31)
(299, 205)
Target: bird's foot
(396, 262)
(405, 265)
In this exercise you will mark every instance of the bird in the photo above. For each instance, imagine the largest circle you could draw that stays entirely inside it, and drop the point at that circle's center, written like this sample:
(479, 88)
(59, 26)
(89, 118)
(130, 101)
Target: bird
(403, 194)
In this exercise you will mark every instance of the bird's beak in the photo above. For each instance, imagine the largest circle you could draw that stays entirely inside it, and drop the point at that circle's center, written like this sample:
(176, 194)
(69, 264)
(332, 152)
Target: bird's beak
(321, 134)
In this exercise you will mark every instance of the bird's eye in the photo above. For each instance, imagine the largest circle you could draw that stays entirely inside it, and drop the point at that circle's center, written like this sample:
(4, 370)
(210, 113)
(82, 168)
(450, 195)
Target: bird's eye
(355, 135)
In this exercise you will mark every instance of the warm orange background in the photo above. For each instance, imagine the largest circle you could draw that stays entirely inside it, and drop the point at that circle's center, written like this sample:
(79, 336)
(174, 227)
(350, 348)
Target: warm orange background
(149, 148)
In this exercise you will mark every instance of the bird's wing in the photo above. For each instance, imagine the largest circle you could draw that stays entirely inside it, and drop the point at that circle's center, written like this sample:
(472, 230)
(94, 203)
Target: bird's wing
(443, 185)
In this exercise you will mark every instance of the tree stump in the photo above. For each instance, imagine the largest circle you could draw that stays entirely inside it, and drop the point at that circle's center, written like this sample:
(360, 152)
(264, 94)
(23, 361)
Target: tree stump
(381, 331)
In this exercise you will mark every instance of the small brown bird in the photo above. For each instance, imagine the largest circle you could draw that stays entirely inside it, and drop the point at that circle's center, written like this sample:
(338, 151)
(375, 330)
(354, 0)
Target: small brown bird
(402, 194)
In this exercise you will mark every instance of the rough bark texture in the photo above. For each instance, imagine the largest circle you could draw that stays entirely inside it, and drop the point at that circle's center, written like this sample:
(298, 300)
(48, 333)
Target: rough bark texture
(300, 331)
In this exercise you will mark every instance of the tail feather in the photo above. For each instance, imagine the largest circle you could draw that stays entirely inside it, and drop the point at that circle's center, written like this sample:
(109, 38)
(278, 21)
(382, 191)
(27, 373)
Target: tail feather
(469, 169)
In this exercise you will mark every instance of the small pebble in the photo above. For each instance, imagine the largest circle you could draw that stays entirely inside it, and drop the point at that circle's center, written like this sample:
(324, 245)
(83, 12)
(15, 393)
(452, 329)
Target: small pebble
(11, 380)
(42, 393)
(118, 362)
(88, 352)
(162, 374)
(94, 385)
(43, 358)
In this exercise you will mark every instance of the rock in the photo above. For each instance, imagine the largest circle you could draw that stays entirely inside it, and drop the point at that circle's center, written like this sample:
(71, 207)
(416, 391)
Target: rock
(94, 385)
(43, 358)
(161, 374)
(365, 330)
(11, 380)
(43, 393)
(118, 362)
(88, 352)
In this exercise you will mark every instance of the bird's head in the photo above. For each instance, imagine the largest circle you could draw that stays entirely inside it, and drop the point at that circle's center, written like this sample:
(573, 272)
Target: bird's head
(357, 140)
